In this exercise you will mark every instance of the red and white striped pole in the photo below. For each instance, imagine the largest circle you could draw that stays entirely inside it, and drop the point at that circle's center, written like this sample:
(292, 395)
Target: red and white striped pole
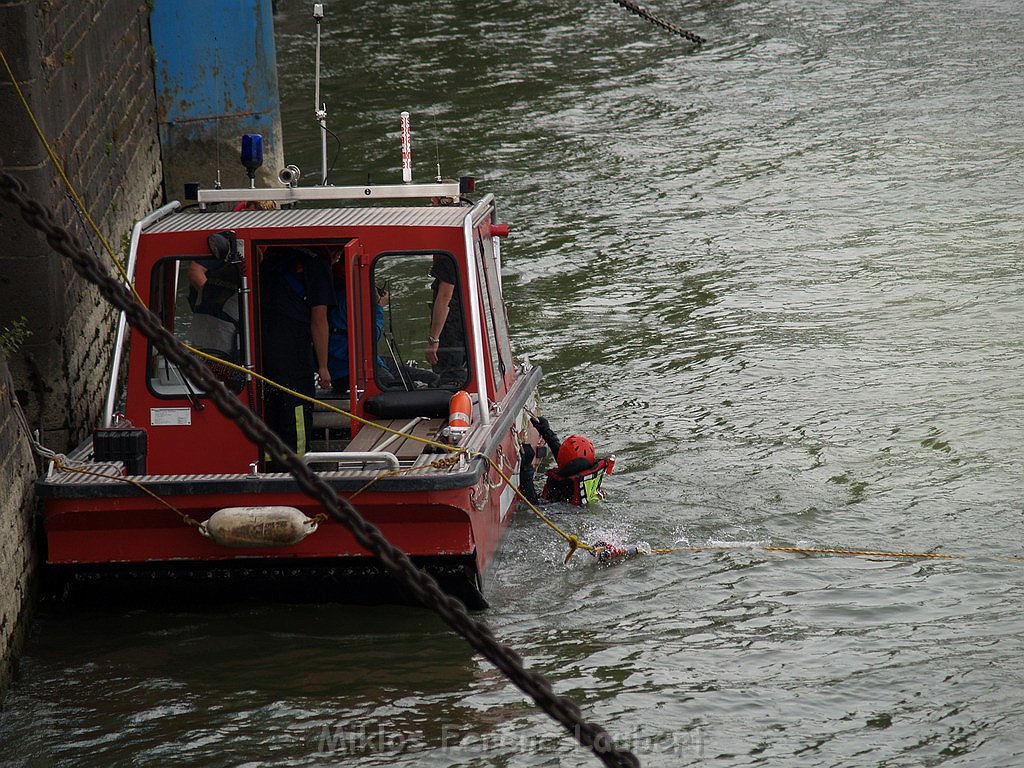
(406, 149)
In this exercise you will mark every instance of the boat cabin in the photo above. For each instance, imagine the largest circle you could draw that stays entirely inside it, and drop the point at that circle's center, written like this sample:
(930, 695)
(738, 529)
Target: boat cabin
(145, 497)
(386, 265)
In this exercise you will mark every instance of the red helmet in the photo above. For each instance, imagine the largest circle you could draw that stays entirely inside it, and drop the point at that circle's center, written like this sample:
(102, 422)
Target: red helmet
(575, 447)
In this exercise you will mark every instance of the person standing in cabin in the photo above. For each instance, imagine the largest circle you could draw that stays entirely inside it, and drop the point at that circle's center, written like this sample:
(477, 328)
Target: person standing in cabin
(295, 296)
(213, 298)
(446, 340)
(213, 295)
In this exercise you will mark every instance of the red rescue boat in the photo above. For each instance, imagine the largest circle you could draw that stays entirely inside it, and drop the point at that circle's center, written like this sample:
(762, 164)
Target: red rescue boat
(169, 488)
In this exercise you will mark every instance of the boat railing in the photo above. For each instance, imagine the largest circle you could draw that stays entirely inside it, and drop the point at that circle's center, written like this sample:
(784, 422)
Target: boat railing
(352, 457)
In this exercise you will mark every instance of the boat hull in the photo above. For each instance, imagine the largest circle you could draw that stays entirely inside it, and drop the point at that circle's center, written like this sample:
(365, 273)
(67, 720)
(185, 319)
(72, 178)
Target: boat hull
(104, 532)
(350, 580)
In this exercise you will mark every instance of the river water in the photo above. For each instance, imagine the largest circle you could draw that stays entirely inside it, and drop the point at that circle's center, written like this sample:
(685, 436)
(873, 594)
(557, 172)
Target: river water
(779, 278)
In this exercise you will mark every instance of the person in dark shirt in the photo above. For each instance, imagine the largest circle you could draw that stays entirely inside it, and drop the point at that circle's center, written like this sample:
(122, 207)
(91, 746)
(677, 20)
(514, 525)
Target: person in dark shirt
(446, 339)
(213, 298)
(295, 295)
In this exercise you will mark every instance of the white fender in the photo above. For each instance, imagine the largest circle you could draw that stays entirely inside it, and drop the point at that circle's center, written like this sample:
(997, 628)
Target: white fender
(258, 526)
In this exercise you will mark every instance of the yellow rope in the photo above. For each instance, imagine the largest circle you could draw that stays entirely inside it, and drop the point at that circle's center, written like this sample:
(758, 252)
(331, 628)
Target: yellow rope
(442, 463)
(573, 541)
(824, 551)
(803, 550)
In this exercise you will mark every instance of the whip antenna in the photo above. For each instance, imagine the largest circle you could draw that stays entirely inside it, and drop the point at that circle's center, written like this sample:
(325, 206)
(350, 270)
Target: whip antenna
(320, 110)
(437, 151)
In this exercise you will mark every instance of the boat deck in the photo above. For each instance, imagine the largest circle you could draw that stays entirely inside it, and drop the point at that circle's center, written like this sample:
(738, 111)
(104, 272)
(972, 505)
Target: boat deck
(416, 470)
(406, 449)
(414, 456)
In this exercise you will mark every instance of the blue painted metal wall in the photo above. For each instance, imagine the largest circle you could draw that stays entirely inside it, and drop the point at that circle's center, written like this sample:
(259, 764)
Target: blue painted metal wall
(216, 78)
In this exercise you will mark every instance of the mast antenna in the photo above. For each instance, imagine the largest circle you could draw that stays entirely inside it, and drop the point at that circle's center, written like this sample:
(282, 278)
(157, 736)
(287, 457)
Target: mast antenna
(320, 109)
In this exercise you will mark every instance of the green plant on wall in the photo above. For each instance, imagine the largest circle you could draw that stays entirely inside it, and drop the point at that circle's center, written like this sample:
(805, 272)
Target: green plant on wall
(13, 336)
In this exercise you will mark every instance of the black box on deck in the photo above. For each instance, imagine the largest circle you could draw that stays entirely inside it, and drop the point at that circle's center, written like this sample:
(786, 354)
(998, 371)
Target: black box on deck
(120, 444)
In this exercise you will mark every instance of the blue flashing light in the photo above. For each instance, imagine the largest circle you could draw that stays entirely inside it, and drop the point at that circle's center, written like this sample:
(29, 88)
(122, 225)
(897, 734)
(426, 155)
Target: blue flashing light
(252, 152)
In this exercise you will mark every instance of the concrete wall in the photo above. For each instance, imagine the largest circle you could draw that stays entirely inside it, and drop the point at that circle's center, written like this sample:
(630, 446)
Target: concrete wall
(86, 69)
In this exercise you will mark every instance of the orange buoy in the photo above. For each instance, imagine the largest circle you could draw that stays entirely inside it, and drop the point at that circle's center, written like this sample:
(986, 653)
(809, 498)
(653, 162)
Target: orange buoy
(460, 410)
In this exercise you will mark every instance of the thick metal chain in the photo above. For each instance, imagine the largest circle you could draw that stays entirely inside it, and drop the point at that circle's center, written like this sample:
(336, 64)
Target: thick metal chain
(643, 13)
(561, 708)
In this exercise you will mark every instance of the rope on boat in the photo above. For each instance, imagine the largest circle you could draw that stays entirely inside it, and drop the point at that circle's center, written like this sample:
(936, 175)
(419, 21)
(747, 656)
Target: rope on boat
(61, 463)
(643, 13)
(419, 584)
(442, 463)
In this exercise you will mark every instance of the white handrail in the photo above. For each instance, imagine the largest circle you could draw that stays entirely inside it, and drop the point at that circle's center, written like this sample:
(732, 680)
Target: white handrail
(365, 457)
(475, 311)
(122, 322)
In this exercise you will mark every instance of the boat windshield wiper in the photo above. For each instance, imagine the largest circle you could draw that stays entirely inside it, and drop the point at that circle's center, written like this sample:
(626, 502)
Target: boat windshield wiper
(389, 339)
(190, 391)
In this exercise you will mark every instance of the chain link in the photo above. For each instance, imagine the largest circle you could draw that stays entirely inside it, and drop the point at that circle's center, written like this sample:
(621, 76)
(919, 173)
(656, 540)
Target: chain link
(421, 585)
(643, 13)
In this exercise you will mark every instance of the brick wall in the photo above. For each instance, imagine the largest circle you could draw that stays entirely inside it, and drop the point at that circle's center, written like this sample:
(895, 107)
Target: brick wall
(86, 69)
(17, 551)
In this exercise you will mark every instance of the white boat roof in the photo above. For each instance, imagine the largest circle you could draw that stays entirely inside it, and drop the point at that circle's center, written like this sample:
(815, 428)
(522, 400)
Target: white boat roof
(366, 216)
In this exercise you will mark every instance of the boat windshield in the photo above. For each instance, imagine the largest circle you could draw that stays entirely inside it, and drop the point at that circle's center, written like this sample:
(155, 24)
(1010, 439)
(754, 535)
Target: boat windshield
(421, 334)
(196, 299)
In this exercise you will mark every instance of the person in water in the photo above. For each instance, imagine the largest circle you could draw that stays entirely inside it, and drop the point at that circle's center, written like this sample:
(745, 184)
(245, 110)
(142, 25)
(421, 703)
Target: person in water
(577, 477)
